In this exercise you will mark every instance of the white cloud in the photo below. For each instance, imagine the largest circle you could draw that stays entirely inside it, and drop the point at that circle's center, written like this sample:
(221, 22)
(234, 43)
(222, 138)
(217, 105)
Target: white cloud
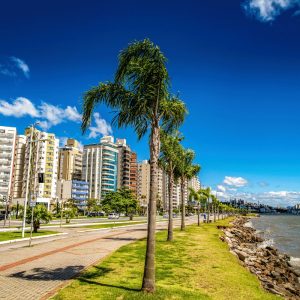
(49, 115)
(221, 188)
(18, 108)
(72, 114)
(235, 181)
(5, 71)
(268, 10)
(21, 65)
(102, 127)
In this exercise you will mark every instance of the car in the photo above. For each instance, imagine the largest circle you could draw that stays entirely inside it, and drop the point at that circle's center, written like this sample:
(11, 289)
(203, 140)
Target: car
(165, 216)
(113, 216)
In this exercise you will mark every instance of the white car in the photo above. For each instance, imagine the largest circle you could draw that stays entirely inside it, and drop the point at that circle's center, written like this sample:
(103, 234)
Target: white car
(113, 216)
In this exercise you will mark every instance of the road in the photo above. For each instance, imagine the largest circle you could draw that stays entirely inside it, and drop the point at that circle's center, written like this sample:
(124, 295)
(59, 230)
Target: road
(16, 224)
(37, 272)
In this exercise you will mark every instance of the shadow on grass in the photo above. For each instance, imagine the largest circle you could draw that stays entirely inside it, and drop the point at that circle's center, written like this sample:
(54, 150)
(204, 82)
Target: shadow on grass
(120, 238)
(47, 274)
(98, 272)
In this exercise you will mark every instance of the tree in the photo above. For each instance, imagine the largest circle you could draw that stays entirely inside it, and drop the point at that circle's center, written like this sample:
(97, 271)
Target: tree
(93, 205)
(40, 215)
(185, 170)
(195, 196)
(168, 161)
(140, 97)
(121, 201)
(70, 210)
(205, 193)
(214, 201)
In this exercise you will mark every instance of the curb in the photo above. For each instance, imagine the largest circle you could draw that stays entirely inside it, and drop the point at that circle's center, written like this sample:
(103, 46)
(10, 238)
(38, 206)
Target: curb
(34, 238)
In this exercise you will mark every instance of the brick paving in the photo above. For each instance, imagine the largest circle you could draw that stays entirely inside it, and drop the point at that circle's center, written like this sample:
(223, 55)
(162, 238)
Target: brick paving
(34, 273)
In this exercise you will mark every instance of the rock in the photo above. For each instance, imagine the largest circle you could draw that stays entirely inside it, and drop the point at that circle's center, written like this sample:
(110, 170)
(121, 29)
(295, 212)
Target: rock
(241, 254)
(273, 269)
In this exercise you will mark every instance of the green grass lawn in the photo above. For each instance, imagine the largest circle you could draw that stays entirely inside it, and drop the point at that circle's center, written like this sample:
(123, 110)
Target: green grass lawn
(196, 265)
(5, 236)
(117, 224)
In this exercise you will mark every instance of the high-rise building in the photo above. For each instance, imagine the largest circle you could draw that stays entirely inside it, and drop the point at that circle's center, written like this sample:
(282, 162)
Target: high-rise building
(70, 161)
(127, 166)
(124, 154)
(43, 166)
(143, 185)
(7, 147)
(194, 183)
(19, 157)
(133, 173)
(77, 190)
(100, 167)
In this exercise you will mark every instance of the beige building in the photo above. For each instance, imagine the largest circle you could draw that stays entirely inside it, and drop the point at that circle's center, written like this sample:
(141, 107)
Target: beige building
(70, 161)
(143, 184)
(19, 156)
(44, 160)
(7, 147)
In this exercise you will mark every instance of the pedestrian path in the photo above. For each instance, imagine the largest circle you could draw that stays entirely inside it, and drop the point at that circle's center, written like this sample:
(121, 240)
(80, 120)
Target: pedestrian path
(37, 272)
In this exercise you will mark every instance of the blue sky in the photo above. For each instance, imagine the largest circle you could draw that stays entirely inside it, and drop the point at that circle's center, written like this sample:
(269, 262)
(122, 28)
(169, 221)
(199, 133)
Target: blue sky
(235, 63)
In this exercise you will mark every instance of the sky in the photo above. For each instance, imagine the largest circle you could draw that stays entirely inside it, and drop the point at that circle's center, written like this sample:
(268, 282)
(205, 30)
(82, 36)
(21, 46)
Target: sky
(236, 64)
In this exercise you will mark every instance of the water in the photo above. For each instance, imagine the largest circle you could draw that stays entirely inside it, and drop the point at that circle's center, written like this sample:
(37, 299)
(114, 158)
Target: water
(282, 232)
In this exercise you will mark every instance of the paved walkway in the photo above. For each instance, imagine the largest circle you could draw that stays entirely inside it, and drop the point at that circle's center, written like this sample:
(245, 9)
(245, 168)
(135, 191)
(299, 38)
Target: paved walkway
(37, 272)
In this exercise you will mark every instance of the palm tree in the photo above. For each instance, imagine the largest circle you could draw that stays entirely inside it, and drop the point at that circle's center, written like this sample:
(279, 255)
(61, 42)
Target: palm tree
(214, 201)
(206, 195)
(195, 196)
(140, 98)
(168, 161)
(185, 170)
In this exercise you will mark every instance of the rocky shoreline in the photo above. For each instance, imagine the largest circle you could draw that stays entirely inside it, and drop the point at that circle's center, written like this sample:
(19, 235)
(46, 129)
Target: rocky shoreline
(273, 269)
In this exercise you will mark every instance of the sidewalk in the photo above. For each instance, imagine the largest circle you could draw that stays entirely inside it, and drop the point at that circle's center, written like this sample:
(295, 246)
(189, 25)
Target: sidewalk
(32, 273)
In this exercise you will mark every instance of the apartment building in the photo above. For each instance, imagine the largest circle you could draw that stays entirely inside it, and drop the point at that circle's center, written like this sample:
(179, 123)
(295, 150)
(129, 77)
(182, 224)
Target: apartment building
(77, 190)
(43, 165)
(70, 161)
(100, 167)
(127, 166)
(143, 184)
(133, 173)
(18, 172)
(7, 147)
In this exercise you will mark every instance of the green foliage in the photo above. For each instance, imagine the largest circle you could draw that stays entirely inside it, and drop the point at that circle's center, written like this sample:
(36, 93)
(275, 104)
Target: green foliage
(93, 205)
(40, 215)
(140, 91)
(70, 210)
(121, 201)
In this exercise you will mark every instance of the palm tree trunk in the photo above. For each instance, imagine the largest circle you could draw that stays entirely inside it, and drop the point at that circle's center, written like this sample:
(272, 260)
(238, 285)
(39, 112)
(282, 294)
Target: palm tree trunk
(214, 213)
(182, 204)
(170, 224)
(149, 270)
(208, 211)
(198, 213)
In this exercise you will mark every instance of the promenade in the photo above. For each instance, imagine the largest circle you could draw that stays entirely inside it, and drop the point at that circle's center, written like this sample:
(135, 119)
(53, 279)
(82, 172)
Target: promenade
(37, 272)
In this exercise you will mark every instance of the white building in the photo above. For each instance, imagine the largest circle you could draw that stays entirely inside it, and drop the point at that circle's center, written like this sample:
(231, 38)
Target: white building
(100, 167)
(7, 147)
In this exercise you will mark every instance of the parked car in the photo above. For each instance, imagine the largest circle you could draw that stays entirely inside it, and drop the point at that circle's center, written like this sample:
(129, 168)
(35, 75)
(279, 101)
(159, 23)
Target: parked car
(2, 215)
(165, 216)
(113, 216)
